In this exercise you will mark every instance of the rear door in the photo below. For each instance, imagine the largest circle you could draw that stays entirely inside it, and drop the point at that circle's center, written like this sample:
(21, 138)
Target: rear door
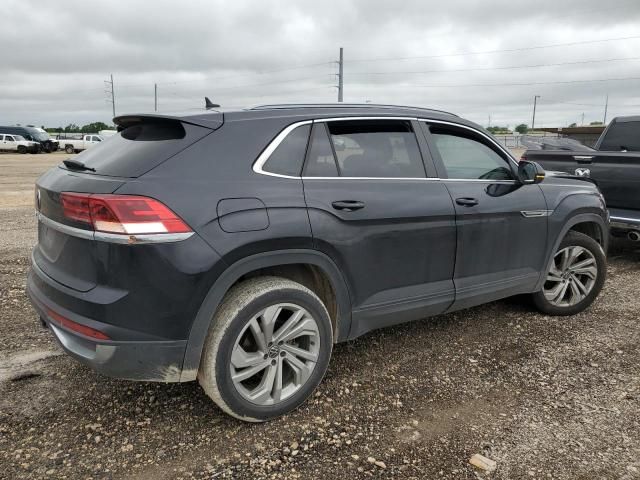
(376, 213)
(501, 224)
(617, 175)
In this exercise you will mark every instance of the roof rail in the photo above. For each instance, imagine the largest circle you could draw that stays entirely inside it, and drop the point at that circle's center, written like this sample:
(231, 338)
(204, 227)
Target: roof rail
(286, 106)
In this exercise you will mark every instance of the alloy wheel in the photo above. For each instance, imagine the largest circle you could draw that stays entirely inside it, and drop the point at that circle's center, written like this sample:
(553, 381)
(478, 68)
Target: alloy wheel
(275, 354)
(571, 277)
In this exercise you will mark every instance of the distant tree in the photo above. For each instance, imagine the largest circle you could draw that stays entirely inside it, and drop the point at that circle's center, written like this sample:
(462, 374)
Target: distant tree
(522, 128)
(95, 127)
(502, 130)
(573, 125)
(72, 128)
(596, 123)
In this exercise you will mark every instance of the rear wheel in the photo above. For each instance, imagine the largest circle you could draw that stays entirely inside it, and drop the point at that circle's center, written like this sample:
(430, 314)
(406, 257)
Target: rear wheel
(268, 348)
(69, 149)
(22, 149)
(575, 277)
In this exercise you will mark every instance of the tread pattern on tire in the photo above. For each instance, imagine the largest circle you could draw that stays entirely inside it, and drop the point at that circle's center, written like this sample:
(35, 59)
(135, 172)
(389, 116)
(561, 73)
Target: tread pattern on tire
(236, 299)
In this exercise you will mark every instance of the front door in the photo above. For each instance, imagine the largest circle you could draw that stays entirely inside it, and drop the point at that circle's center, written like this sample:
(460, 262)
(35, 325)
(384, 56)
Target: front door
(372, 209)
(501, 224)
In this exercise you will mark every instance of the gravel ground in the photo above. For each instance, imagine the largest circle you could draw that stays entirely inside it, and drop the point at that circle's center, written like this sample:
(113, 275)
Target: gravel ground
(544, 397)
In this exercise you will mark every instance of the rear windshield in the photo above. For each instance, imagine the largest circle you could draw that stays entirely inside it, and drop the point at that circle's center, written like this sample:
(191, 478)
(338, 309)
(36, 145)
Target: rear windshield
(139, 148)
(622, 136)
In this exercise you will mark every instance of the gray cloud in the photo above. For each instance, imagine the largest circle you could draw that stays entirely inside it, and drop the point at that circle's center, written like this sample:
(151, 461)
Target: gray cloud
(246, 53)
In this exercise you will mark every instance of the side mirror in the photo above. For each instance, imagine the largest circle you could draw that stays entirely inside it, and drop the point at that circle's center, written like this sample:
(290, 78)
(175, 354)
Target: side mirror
(530, 172)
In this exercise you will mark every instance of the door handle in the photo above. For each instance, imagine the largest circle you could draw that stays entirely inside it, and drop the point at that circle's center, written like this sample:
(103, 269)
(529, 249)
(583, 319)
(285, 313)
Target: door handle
(347, 205)
(583, 158)
(467, 202)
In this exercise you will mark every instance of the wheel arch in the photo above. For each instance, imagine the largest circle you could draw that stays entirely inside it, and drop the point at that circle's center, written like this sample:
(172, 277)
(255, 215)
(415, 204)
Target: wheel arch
(591, 224)
(286, 263)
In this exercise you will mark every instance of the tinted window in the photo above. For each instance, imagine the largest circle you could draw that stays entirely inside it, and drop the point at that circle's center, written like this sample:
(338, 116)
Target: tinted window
(622, 136)
(320, 159)
(140, 147)
(467, 157)
(376, 148)
(288, 157)
(9, 138)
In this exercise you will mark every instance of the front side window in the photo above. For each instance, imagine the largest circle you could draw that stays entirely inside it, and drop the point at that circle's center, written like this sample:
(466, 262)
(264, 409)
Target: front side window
(466, 157)
(288, 157)
(376, 148)
(8, 138)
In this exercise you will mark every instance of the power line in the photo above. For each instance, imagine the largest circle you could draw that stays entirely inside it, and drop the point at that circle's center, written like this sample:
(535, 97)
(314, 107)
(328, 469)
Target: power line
(522, 84)
(510, 67)
(267, 72)
(520, 49)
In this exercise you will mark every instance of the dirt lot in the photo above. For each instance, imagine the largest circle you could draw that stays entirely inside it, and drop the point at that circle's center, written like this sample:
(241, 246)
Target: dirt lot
(544, 397)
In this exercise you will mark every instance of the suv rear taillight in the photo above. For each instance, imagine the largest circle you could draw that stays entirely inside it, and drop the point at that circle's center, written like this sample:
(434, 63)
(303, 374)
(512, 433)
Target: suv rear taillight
(124, 214)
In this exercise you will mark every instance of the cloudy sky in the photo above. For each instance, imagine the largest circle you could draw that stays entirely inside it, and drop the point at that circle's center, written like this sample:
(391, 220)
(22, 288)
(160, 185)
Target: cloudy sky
(473, 58)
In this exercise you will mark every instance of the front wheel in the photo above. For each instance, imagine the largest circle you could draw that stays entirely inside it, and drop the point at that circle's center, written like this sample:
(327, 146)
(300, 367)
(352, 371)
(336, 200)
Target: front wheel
(575, 277)
(267, 349)
(22, 149)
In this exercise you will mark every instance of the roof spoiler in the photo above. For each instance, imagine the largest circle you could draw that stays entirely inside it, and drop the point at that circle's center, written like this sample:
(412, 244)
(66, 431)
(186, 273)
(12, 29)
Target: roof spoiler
(212, 120)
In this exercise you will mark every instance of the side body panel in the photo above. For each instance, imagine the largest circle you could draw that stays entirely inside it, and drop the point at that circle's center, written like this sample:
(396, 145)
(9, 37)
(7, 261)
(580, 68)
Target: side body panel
(397, 253)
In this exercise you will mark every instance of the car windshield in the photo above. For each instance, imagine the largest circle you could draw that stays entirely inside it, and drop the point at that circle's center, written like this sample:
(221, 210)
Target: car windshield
(40, 136)
(19, 138)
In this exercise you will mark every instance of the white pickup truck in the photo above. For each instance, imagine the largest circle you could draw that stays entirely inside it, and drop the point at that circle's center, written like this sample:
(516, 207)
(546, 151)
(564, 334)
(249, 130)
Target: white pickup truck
(76, 145)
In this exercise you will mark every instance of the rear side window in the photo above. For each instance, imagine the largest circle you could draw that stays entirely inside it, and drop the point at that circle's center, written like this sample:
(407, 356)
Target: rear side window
(288, 157)
(376, 148)
(467, 157)
(622, 136)
(140, 147)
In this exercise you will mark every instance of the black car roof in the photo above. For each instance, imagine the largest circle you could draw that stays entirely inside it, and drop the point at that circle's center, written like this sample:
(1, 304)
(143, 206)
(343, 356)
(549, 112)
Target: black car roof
(213, 118)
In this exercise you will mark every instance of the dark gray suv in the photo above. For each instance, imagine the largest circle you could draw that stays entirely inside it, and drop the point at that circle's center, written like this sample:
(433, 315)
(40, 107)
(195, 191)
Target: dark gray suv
(238, 247)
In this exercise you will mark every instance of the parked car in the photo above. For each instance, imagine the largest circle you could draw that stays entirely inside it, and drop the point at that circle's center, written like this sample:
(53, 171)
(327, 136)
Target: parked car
(33, 134)
(614, 166)
(78, 143)
(16, 143)
(237, 248)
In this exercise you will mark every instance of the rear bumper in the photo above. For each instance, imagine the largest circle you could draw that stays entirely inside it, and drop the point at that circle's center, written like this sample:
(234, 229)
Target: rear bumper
(623, 219)
(159, 361)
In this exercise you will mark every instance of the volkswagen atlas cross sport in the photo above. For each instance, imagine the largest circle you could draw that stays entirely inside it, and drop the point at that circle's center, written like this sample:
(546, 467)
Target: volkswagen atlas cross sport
(237, 247)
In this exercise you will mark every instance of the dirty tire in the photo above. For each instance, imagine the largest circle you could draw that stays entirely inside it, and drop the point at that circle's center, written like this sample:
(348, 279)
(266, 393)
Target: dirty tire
(576, 239)
(241, 304)
(22, 149)
(69, 149)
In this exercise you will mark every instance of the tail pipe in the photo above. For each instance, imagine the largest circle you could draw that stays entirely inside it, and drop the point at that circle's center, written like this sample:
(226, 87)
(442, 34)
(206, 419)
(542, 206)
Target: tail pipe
(634, 235)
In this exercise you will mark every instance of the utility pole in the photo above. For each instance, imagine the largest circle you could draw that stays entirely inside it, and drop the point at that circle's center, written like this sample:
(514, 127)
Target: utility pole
(489, 121)
(582, 121)
(111, 94)
(155, 97)
(533, 119)
(606, 106)
(341, 76)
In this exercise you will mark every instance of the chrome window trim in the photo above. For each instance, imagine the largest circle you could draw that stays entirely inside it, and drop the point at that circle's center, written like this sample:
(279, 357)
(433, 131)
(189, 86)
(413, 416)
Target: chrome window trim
(420, 179)
(113, 237)
(275, 143)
